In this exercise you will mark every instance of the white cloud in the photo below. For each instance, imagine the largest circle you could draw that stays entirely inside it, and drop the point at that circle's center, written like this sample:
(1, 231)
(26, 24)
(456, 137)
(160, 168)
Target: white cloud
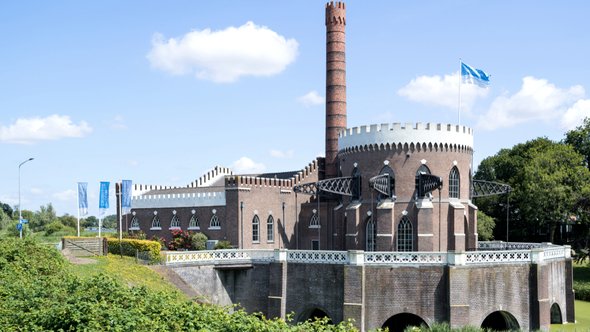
(224, 55)
(311, 98)
(282, 154)
(576, 114)
(118, 123)
(53, 127)
(246, 165)
(36, 191)
(68, 195)
(442, 91)
(537, 100)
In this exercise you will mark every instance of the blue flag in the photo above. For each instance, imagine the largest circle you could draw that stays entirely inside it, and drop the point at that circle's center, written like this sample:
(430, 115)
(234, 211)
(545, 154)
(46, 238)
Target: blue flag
(103, 202)
(125, 195)
(472, 75)
(83, 198)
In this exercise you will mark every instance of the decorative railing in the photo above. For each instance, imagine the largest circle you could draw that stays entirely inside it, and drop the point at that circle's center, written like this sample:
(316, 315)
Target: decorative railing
(535, 254)
(501, 245)
(418, 258)
(317, 257)
(219, 256)
(512, 256)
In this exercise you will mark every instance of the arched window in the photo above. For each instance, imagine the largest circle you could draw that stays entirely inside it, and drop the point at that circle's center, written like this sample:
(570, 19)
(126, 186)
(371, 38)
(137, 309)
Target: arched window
(405, 235)
(314, 222)
(156, 223)
(270, 225)
(134, 224)
(214, 222)
(255, 229)
(371, 234)
(387, 170)
(356, 184)
(194, 222)
(423, 169)
(175, 222)
(454, 183)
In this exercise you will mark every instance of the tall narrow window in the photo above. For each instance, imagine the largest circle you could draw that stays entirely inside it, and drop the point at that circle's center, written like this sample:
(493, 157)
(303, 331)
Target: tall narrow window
(134, 224)
(255, 229)
(356, 184)
(423, 169)
(371, 234)
(314, 222)
(194, 222)
(405, 235)
(454, 183)
(175, 222)
(387, 170)
(270, 227)
(214, 222)
(156, 223)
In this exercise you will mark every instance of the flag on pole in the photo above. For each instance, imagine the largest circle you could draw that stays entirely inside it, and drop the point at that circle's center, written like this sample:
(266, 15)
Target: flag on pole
(472, 75)
(103, 203)
(83, 198)
(126, 196)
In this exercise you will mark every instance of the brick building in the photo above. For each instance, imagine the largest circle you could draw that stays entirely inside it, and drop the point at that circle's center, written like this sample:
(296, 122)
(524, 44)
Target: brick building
(259, 211)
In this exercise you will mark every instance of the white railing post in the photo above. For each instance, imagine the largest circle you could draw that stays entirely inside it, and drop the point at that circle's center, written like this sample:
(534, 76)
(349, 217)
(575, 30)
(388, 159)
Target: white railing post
(356, 257)
(457, 258)
(567, 251)
(280, 255)
(537, 255)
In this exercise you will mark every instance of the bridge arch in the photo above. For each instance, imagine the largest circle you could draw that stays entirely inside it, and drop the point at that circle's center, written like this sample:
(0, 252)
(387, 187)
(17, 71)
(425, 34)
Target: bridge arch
(500, 321)
(556, 317)
(313, 313)
(399, 322)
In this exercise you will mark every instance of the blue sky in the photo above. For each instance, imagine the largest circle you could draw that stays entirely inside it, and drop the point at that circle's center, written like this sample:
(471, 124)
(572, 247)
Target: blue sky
(161, 92)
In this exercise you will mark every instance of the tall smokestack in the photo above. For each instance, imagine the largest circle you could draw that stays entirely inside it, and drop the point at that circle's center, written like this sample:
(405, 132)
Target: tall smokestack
(335, 82)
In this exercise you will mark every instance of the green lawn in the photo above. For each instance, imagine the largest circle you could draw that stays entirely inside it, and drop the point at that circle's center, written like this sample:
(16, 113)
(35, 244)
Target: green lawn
(582, 319)
(126, 270)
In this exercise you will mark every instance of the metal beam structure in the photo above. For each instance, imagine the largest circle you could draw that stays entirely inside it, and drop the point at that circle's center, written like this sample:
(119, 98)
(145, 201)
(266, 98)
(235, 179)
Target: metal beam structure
(427, 183)
(340, 186)
(381, 184)
(481, 188)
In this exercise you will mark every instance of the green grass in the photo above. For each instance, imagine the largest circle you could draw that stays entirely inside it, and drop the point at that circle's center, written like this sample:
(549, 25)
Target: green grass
(582, 320)
(127, 271)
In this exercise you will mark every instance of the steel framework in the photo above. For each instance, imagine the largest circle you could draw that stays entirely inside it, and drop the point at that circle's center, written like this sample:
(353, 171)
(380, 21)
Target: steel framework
(482, 188)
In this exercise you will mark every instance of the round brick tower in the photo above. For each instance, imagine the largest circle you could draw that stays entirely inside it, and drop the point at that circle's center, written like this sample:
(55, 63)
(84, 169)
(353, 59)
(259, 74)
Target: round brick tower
(335, 82)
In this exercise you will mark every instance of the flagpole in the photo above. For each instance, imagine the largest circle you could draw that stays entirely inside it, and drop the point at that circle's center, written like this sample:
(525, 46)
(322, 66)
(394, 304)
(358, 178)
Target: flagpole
(78, 204)
(120, 211)
(459, 108)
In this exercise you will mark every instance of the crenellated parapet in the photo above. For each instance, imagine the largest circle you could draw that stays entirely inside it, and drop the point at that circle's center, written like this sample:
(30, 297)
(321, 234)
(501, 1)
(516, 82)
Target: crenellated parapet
(236, 181)
(194, 199)
(211, 177)
(425, 137)
(335, 13)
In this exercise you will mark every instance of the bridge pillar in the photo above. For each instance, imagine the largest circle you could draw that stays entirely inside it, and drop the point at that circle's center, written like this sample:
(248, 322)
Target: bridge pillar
(459, 301)
(277, 285)
(354, 289)
(569, 291)
(424, 219)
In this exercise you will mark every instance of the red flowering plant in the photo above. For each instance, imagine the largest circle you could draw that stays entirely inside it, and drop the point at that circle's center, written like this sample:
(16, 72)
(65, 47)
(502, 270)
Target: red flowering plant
(180, 240)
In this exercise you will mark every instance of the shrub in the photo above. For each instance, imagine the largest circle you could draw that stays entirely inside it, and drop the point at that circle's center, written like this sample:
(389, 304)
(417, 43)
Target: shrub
(180, 240)
(53, 227)
(223, 245)
(130, 247)
(199, 241)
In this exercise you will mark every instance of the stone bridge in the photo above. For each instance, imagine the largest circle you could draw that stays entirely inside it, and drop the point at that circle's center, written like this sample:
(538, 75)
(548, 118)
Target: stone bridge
(500, 286)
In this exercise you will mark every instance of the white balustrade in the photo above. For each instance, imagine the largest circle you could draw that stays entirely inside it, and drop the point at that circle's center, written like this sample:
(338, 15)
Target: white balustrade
(237, 256)
(418, 258)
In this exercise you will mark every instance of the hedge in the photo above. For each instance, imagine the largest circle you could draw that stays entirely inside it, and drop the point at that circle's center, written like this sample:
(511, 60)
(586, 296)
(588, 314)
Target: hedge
(130, 247)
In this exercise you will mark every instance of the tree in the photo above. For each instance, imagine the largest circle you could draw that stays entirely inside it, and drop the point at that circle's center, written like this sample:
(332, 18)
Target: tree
(44, 216)
(6, 209)
(547, 179)
(90, 221)
(68, 220)
(485, 226)
(110, 221)
(579, 138)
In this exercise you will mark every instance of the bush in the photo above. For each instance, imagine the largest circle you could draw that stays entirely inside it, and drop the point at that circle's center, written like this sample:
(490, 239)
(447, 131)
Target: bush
(53, 227)
(223, 245)
(130, 247)
(199, 241)
(181, 240)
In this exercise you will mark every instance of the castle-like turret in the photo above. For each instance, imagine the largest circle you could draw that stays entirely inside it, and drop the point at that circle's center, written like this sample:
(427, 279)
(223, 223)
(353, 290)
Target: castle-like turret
(335, 82)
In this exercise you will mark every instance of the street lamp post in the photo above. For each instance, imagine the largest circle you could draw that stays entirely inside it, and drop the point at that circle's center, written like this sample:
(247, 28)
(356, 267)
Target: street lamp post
(20, 210)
